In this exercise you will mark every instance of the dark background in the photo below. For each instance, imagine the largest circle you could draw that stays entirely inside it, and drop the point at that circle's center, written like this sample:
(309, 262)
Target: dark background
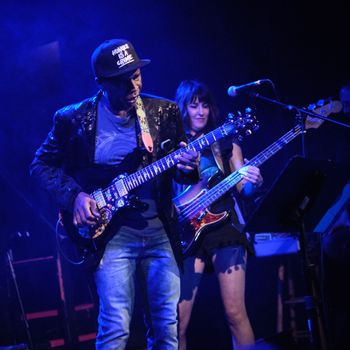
(45, 64)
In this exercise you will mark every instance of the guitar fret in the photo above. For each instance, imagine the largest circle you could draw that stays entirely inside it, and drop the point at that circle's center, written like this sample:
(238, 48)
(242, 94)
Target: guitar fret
(169, 162)
(172, 162)
(276, 146)
(145, 175)
(150, 171)
(148, 175)
(159, 166)
(204, 141)
(129, 183)
(209, 140)
(192, 147)
(140, 178)
(222, 130)
(156, 168)
(134, 180)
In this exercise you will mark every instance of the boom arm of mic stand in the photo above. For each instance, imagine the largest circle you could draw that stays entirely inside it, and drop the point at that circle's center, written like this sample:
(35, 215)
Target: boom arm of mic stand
(299, 110)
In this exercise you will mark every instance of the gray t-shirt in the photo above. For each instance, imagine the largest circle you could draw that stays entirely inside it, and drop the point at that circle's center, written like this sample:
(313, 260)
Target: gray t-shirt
(115, 138)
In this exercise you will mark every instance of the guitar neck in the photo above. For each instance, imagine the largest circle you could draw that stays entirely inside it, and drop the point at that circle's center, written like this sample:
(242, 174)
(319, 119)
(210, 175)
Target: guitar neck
(230, 181)
(276, 146)
(149, 172)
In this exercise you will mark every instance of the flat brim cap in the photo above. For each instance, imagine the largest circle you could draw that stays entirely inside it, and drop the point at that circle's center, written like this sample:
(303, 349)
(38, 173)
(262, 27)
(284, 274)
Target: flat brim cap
(115, 57)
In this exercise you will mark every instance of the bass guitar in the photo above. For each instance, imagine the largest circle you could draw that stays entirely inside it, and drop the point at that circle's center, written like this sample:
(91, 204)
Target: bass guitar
(193, 203)
(118, 193)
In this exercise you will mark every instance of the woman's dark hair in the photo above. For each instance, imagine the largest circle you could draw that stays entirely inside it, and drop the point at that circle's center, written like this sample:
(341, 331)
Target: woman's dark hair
(187, 92)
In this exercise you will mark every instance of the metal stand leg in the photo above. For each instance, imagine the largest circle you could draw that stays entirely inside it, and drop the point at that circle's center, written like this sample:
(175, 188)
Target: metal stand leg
(26, 324)
(312, 298)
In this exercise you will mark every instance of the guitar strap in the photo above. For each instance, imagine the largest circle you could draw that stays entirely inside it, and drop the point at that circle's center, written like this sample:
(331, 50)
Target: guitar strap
(143, 122)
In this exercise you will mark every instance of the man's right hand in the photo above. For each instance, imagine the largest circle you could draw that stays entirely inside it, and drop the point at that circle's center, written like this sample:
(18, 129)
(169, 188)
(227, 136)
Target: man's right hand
(85, 212)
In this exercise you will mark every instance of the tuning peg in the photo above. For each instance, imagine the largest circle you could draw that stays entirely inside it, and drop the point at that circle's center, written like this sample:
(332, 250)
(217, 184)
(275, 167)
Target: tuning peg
(251, 120)
(311, 107)
(230, 116)
(320, 103)
(248, 110)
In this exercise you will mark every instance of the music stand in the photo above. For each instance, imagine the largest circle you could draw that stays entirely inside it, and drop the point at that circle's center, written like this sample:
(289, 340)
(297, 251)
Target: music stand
(295, 203)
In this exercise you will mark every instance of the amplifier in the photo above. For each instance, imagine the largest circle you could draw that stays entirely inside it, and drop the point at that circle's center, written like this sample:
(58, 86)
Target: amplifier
(268, 244)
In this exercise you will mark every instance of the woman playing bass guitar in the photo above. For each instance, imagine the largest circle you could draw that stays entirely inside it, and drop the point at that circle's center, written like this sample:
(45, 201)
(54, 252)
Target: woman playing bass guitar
(221, 248)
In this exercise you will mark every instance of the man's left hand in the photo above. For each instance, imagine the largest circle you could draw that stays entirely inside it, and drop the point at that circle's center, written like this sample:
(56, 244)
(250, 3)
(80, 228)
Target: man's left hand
(188, 160)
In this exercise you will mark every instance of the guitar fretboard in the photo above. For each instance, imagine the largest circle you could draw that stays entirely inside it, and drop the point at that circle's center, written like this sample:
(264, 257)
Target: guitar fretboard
(225, 185)
(136, 179)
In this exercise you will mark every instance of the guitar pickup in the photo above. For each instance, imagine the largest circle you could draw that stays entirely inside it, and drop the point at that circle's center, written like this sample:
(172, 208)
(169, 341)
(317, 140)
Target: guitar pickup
(99, 198)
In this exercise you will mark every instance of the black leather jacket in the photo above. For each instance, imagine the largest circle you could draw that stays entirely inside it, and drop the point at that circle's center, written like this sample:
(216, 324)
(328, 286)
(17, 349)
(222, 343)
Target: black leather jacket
(64, 163)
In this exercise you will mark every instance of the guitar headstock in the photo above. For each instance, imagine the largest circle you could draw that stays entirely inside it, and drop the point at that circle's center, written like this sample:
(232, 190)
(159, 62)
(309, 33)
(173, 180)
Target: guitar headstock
(323, 109)
(241, 123)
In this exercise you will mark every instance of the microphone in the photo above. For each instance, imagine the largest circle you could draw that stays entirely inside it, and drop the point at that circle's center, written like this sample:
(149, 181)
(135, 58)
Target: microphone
(233, 91)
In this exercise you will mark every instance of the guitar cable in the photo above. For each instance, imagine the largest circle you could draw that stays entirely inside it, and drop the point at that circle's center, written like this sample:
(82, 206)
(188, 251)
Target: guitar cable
(60, 249)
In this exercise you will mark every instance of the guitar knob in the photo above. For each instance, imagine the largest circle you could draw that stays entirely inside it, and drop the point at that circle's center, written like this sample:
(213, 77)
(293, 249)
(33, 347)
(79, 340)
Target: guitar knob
(248, 132)
(121, 202)
(106, 215)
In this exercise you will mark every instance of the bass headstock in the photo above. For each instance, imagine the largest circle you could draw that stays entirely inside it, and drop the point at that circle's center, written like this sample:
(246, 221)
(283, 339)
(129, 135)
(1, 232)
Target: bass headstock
(323, 108)
(243, 124)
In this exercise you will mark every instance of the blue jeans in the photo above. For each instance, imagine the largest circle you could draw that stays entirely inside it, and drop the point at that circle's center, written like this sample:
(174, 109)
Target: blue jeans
(151, 258)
